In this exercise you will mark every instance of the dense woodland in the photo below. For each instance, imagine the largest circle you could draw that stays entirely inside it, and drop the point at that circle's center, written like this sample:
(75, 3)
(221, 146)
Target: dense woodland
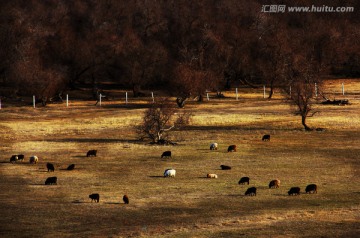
(181, 47)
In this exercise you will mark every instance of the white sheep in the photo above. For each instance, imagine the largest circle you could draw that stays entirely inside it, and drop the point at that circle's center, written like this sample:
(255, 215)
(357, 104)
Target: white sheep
(34, 159)
(213, 146)
(170, 173)
(211, 176)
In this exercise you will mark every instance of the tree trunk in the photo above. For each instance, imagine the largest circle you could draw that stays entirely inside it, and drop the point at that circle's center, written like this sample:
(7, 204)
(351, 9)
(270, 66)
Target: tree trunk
(303, 121)
(271, 89)
(271, 92)
(136, 90)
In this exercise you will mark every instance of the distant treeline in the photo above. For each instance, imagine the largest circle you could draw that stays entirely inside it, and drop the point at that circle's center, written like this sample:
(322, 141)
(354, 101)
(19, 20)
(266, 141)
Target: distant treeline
(179, 46)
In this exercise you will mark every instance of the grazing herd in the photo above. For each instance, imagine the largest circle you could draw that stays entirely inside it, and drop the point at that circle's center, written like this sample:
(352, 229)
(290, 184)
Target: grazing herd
(53, 180)
(311, 188)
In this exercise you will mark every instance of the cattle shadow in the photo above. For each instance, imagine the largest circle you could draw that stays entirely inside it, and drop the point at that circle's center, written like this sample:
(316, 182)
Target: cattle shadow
(43, 184)
(80, 202)
(156, 176)
(79, 156)
(236, 195)
(94, 140)
(114, 203)
(281, 195)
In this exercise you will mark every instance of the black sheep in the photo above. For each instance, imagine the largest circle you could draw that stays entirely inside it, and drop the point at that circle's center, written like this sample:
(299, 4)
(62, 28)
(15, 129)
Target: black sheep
(311, 188)
(266, 138)
(225, 167)
(50, 167)
(91, 153)
(294, 191)
(251, 191)
(166, 154)
(126, 199)
(94, 197)
(244, 180)
(51, 181)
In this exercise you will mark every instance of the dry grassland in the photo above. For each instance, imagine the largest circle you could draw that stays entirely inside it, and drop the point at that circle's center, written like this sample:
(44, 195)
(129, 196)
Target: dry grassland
(188, 205)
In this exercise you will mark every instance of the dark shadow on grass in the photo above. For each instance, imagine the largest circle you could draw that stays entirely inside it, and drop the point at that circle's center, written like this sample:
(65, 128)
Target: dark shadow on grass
(79, 156)
(130, 105)
(95, 140)
(282, 195)
(78, 201)
(156, 176)
(114, 203)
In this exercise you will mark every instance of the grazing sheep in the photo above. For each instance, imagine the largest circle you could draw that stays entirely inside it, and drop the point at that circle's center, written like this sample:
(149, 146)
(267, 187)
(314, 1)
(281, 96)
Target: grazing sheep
(232, 148)
(50, 167)
(34, 159)
(274, 183)
(94, 197)
(225, 167)
(71, 167)
(294, 191)
(51, 181)
(170, 173)
(166, 154)
(213, 146)
(91, 153)
(211, 176)
(244, 180)
(251, 191)
(21, 157)
(266, 138)
(126, 199)
(311, 188)
(14, 158)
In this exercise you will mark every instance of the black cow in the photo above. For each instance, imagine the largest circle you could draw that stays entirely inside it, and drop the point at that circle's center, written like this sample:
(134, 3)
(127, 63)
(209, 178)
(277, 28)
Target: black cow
(232, 148)
(51, 181)
(294, 191)
(50, 167)
(244, 180)
(71, 167)
(166, 154)
(311, 188)
(91, 153)
(266, 138)
(225, 167)
(126, 199)
(251, 191)
(14, 158)
(94, 197)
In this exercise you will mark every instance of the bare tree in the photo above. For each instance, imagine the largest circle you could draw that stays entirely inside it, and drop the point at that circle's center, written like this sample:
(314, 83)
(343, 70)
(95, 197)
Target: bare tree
(160, 119)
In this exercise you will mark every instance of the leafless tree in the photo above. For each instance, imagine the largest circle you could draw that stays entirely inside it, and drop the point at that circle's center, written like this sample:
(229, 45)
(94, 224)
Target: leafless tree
(162, 117)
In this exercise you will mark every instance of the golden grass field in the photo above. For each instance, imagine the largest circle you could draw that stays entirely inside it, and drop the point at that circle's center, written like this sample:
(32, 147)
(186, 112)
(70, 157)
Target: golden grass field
(189, 205)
